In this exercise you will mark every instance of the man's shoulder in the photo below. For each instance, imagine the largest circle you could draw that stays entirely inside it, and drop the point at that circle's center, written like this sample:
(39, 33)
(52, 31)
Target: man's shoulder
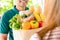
(7, 15)
(8, 12)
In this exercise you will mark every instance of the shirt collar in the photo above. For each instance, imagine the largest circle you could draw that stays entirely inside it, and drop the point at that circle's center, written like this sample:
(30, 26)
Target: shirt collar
(15, 9)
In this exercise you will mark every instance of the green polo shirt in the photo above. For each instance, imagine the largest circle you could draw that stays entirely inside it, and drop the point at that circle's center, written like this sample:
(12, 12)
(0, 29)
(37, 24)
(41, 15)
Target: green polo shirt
(4, 23)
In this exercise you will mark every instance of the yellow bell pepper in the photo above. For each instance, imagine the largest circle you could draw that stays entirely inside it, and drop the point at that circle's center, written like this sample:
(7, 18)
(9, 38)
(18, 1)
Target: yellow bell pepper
(34, 24)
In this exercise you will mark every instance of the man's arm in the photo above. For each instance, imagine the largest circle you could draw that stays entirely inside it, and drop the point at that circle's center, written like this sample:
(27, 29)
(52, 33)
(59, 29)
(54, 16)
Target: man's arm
(4, 26)
(3, 36)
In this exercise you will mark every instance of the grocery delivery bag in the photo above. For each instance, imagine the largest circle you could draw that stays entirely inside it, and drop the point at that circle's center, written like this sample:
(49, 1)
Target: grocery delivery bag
(24, 34)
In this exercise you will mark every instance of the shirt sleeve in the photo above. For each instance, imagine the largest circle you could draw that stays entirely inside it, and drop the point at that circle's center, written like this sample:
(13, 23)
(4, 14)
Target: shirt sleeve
(4, 24)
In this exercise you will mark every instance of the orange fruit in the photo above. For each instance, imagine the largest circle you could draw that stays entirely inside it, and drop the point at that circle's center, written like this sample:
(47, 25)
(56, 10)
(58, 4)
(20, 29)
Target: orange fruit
(26, 25)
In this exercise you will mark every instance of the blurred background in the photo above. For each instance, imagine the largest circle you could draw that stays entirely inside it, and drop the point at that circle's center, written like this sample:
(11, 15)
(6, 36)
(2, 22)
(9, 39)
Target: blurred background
(8, 4)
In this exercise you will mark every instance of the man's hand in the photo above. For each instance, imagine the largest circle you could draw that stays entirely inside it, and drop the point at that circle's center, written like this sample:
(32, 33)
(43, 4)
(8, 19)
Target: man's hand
(3, 36)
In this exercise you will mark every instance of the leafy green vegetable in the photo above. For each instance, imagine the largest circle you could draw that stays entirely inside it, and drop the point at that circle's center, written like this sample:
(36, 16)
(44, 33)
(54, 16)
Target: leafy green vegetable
(16, 26)
(14, 23)
(10, 25)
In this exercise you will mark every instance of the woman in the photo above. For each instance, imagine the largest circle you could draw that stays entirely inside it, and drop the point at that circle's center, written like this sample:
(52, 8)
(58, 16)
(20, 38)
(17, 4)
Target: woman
(51, 28)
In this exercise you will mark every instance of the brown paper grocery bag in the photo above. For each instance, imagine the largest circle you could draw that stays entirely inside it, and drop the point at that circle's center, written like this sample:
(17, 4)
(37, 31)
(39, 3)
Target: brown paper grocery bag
(24, 34)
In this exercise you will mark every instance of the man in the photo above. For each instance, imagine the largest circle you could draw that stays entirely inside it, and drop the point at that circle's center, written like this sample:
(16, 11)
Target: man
(4, 25)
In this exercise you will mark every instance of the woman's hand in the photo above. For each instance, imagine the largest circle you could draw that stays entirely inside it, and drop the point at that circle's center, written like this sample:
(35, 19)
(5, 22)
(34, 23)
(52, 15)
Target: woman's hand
(35, 37)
